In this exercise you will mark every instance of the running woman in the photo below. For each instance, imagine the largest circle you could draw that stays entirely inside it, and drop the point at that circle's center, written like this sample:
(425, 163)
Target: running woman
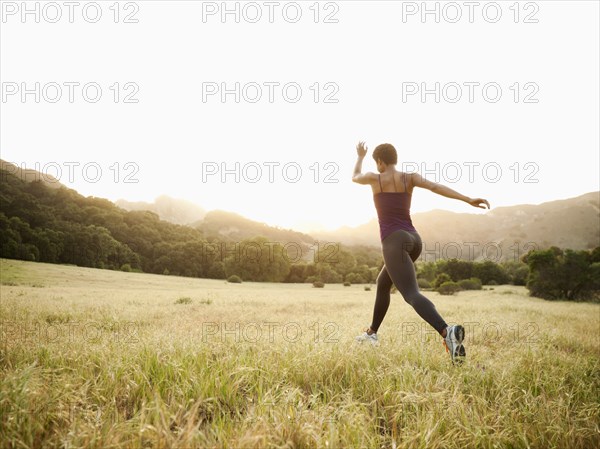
(401, 243)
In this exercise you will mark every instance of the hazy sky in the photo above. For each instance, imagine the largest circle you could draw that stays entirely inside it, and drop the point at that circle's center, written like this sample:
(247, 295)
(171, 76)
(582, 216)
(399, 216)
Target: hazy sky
(510, 111)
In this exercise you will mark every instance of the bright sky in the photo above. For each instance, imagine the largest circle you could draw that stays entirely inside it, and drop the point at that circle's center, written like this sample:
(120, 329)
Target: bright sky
(530, 136)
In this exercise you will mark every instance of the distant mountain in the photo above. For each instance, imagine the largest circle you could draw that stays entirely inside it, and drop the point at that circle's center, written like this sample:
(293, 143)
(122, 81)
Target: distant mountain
(233, 226)
(507, 231)
(502, 233)
(29, 175)
(173, 210)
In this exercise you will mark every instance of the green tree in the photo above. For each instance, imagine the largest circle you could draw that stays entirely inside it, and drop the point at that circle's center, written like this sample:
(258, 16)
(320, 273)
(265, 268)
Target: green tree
(516, 271)
(297, 273)
(355, 278)
(489, 271)
(257, 259)
(341, 261)
(563, 274)
(327, 274)
(457, 269)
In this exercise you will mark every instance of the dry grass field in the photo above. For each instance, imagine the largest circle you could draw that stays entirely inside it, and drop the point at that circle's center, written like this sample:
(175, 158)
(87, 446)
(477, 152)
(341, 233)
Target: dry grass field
(101, 359)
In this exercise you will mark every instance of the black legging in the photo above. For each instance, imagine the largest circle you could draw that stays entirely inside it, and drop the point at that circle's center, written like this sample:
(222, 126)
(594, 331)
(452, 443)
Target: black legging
(400, 250)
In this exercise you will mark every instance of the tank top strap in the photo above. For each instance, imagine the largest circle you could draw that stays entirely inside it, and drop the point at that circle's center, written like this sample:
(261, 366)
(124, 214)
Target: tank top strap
(380, 188)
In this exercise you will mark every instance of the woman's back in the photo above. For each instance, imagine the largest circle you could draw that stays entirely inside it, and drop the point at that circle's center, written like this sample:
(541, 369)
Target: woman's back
(393, 207)
(399, 182)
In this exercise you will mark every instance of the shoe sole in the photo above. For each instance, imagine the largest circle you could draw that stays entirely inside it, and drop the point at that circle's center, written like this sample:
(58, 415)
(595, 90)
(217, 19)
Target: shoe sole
(460, 353)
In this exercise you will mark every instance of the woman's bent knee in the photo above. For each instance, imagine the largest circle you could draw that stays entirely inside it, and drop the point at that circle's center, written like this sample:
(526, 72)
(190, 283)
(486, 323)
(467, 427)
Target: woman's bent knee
(411, 297)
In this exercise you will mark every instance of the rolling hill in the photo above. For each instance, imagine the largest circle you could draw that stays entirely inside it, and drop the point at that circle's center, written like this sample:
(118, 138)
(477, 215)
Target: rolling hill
(502, 233)
(569, 223)
(29, 175)
(176, 211)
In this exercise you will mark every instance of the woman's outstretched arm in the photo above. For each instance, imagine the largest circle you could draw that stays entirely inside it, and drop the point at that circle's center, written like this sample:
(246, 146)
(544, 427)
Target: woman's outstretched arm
(443, 190)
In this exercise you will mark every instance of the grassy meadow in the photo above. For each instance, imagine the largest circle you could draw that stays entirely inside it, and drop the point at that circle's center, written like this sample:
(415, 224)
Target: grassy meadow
(101, 359)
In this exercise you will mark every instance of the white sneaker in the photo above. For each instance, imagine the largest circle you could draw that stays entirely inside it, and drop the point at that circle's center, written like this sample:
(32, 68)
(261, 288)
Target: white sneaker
(454, 343)
(365, 337)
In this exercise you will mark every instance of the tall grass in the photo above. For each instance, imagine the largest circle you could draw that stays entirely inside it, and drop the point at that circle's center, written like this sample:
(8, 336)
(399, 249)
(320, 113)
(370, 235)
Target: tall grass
(100, 359)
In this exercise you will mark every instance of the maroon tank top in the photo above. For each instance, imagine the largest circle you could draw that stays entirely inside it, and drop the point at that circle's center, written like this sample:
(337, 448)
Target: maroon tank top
(393, 210)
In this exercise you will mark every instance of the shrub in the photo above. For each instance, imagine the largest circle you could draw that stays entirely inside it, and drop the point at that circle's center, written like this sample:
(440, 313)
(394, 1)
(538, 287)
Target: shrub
(492, 282)
(318, 284)
(367, 288)
(10, 283)
(448, 288)
(166, 272)
(126, 267)
(347, 284)
(58, 318)
(234, 279)
(423, 283)
(184, 300)
(440, 279)
(470, 284)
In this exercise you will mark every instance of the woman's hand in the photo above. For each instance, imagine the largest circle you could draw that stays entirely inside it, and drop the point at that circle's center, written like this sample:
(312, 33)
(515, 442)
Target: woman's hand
(475, 202)
(361, 150)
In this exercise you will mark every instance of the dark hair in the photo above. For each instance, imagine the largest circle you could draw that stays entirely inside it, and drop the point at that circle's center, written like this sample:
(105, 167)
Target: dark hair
(386, 153)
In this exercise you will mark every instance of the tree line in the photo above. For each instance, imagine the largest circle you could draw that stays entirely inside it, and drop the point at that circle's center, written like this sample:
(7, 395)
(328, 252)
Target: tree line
(38, 223)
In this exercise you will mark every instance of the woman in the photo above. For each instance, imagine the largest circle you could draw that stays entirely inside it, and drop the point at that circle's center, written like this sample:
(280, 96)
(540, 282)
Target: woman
(401, 243)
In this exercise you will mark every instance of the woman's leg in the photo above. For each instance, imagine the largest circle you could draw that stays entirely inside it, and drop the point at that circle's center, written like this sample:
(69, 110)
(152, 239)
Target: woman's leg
(382, 298)
(400, 250)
